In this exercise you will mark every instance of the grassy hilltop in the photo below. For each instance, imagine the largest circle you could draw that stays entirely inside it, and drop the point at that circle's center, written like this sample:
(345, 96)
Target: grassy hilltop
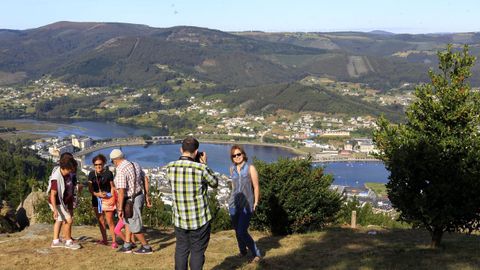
(334, 248)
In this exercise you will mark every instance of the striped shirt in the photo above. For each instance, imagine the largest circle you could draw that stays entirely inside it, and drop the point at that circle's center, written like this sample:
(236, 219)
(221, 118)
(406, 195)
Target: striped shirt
(124, 177)
(190, 181)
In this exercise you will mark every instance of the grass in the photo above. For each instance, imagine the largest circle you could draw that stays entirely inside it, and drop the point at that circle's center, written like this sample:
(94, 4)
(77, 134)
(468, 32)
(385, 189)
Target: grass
(334, 248)
(379, 188)
(25, 129)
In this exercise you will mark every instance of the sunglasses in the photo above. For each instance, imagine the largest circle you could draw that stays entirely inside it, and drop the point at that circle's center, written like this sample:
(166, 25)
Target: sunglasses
(236, 155)
(98, 164)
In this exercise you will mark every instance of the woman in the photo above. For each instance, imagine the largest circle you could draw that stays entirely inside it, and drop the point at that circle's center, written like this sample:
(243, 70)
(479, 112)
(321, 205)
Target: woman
(243, 199)
(100, 185)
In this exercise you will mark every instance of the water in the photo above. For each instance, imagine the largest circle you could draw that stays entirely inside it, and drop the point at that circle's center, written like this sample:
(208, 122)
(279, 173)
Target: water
(345, 173)
(356, 173)
(218, 154)
(93, 129)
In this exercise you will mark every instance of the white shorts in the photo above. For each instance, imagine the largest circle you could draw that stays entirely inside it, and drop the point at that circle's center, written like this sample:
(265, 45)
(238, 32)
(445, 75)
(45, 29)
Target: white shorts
(63, 214)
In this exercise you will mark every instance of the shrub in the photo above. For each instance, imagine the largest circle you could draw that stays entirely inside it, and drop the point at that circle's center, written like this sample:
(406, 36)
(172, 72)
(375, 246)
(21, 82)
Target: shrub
(220, 216)
(294, 197)
(82, 215)
(159, 215)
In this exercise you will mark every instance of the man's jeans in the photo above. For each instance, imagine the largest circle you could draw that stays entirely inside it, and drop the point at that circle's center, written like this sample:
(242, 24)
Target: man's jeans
(240, 221)
(193, 243)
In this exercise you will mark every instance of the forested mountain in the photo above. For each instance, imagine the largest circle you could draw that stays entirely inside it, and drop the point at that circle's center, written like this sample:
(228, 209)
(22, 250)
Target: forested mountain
(93, 54)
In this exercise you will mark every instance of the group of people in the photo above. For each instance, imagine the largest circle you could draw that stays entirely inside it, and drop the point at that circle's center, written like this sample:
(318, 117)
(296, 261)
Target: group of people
(126, 192)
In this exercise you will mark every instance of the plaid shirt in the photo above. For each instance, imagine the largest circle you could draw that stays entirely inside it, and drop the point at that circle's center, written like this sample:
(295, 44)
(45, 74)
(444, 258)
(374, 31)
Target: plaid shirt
(189, 182)
(124, 177)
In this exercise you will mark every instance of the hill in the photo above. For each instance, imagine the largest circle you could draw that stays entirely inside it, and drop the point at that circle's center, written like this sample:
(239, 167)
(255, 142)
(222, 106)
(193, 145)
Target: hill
(334, 248)
(114, 53)
(99, 54)
(297, 97)
(391, 58)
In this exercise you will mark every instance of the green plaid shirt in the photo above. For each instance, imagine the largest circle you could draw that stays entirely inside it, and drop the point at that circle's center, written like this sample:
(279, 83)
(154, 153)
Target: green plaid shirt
(189, 182)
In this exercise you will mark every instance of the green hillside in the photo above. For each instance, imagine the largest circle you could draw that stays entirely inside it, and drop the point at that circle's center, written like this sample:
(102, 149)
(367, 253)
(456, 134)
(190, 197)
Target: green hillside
(93, 54)
(296, 97)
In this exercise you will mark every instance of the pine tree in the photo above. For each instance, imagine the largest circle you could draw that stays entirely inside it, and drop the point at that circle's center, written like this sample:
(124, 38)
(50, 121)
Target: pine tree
(434, 156)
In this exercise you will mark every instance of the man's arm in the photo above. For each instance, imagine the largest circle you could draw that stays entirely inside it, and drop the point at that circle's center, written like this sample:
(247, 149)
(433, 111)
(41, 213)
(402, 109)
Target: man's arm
(121, 196)
(146, 183)
(210, 177)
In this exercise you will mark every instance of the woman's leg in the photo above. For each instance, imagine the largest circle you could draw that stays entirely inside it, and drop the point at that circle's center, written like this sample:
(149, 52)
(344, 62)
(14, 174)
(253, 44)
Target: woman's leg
(243, 223)
(111, 226)
(101, 224)
(234, 217)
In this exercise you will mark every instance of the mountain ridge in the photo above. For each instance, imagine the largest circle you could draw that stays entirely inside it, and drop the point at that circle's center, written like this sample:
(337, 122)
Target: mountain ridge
(104, 53)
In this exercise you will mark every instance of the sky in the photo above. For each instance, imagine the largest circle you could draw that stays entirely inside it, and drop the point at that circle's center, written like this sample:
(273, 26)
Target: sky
(406, 16)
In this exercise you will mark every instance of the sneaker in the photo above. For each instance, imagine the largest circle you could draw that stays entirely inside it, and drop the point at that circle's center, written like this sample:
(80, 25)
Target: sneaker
(143, 250)
(60, 244)
(114, 245)
(134, 245)
(124, 249)
(72, 245)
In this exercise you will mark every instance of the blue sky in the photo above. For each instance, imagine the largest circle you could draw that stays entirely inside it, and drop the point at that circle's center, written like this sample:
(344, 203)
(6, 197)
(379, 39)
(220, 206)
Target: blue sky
(407, 16)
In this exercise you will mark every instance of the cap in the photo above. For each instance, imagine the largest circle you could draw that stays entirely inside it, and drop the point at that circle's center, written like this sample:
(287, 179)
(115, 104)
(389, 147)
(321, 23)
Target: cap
(116, 153)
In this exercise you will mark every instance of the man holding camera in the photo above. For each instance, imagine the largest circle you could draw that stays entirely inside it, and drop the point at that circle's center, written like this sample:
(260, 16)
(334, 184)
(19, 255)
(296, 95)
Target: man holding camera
(190, 177)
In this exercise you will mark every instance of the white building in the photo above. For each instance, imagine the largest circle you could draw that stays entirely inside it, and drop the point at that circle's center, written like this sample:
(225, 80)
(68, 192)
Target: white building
(81, 143)
(58, 150)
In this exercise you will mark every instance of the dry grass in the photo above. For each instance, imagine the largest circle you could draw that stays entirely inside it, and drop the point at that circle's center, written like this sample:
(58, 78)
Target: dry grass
(335, 248)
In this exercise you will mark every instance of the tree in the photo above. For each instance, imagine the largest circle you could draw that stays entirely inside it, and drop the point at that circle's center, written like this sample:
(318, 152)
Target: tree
(433, 156)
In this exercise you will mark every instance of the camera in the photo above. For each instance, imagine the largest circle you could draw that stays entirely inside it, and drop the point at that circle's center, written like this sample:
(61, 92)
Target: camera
(198, 156)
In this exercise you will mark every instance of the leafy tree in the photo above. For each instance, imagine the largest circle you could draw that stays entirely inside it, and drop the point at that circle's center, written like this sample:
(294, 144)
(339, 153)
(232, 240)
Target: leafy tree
(295, 197)
(433, 157)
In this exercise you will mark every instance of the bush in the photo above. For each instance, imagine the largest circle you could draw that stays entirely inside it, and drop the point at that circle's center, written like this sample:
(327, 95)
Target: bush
(220, 216)
(159, 215)
(294, 197)
(82, 215)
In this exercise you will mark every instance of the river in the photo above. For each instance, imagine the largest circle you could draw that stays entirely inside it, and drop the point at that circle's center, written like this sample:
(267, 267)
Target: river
(345, 173)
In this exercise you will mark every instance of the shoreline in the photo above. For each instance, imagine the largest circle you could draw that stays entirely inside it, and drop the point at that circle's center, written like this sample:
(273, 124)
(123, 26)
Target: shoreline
(289, 148)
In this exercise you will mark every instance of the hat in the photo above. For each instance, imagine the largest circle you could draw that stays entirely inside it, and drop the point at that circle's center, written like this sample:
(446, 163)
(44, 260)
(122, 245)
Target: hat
(116, 153)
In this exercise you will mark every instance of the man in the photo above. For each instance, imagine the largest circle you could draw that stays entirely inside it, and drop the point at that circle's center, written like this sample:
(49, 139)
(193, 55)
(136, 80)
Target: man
(191, 214)
(129, 183)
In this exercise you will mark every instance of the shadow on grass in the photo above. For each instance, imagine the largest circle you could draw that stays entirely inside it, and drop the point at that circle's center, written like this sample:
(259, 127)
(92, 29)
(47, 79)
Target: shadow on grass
(265, 244)
(159, 238)
(339, 248)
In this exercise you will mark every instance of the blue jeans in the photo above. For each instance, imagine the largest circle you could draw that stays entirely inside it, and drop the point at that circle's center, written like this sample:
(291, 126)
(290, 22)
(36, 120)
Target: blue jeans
(240, 221)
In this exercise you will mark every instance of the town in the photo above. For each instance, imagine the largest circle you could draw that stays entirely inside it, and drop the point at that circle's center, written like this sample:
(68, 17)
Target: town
(52, 148)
